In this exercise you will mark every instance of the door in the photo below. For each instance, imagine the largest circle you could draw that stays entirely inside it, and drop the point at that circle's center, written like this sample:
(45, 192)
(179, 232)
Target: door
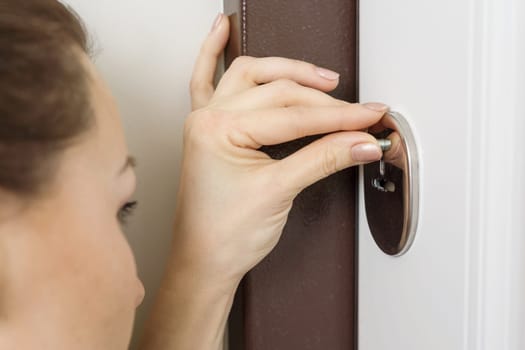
(456, 70)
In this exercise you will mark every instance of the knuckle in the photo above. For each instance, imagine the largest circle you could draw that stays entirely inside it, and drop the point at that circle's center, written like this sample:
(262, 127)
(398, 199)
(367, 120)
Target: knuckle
(304, 64)
(302, 67)
(202, 125)
(283, 87)
(296, 117)
(240, 63)
(240, 68)
(284, 91)
(330, 164)
(198, 124)
(309, 65)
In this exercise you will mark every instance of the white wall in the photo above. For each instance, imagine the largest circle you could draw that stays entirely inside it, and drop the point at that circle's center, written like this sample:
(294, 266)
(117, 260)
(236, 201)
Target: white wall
(146, 53)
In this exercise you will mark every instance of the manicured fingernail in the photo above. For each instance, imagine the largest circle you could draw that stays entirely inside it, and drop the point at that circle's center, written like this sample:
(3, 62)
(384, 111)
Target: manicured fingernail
(376, 106)
(327, 74)
(217, 21)
(366, 152)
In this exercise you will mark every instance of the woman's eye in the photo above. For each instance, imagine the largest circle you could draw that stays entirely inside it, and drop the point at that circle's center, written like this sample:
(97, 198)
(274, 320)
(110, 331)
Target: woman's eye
(126, 210)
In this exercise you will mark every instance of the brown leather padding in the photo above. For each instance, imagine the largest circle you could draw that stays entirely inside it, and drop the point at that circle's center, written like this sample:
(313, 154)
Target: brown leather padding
(303, 295)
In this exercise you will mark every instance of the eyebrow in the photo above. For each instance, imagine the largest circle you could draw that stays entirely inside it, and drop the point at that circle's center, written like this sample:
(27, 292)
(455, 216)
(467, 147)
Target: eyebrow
(131, 162)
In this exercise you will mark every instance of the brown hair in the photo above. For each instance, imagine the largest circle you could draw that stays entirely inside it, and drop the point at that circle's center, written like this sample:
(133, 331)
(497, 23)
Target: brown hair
(44, 91)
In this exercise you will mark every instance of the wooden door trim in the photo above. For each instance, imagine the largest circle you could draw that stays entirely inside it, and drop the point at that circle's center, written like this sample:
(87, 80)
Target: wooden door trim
(303, 295)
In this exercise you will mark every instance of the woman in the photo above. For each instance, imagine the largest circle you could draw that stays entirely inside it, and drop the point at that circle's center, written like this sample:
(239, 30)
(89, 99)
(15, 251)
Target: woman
(67, 275)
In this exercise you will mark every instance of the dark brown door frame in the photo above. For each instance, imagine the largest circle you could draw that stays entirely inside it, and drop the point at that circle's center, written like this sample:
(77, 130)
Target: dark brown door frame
(304, 294)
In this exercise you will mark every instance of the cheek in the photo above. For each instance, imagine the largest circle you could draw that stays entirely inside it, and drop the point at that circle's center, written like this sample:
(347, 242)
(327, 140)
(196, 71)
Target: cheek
(80, 273)
(100, 248)
(108, 258)
(103, 271)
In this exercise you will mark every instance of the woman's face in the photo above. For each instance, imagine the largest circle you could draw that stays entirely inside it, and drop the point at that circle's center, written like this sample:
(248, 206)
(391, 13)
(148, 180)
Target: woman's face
(68, 278)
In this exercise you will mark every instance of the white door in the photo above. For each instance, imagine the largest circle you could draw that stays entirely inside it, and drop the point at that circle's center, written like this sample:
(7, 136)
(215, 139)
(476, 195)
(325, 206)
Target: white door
(456, 70)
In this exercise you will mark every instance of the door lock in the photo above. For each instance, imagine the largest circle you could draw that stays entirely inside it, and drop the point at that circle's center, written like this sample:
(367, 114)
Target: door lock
(391, 186)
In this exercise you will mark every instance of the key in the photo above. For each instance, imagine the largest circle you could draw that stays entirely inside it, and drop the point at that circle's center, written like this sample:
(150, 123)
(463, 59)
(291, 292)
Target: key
(381, 183)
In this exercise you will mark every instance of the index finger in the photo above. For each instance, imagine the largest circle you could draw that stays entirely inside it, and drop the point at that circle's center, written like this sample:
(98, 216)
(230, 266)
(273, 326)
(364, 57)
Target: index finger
(275, 126)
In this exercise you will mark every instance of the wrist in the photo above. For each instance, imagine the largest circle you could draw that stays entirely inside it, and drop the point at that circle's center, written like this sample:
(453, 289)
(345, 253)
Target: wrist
(191, 311)
(198, 278)
(202, 265)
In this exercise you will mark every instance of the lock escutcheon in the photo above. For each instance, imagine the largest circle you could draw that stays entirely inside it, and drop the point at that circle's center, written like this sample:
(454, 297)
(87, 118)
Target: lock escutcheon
(391, 187)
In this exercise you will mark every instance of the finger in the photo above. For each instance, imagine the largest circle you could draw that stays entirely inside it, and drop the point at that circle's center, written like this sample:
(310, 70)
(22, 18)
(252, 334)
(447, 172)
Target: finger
(280, 93)
(270, 127)
(395, 155)
(247, 72)
(384, 124)
(325, 157)
(201, 86)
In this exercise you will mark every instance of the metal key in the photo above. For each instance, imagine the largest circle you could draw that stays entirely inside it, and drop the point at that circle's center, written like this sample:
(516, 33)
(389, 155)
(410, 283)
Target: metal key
(381, 183)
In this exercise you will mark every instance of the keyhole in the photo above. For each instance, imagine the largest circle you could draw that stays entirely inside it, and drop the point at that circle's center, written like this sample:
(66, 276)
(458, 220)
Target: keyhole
(383, 185)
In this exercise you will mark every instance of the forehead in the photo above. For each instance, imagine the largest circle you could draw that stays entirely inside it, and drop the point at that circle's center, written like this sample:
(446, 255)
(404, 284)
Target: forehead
(102, 98)
(108, 136)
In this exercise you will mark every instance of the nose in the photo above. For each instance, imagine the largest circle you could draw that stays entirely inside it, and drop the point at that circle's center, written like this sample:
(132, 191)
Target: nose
(141, 292)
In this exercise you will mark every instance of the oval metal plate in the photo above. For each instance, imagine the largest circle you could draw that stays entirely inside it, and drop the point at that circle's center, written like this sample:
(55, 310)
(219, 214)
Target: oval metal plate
(392, 200)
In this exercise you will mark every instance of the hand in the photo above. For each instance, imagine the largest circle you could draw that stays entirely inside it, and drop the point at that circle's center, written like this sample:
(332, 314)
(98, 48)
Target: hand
(234, 200)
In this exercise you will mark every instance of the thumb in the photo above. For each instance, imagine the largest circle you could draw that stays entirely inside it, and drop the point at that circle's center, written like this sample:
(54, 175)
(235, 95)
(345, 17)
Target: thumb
(327, 156)
(201, 85)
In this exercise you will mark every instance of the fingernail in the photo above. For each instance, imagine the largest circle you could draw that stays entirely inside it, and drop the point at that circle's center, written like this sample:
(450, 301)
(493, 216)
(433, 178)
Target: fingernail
(217, 21)
(376, 106)
(327, 74)
(366, 152)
